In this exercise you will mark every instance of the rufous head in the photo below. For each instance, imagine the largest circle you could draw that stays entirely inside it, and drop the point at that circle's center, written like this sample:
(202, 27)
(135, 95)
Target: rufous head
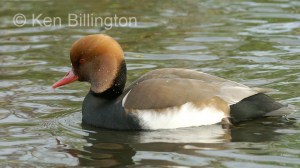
(96, 59)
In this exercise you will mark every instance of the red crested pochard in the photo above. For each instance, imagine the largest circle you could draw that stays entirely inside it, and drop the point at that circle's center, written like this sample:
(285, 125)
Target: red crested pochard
(160, 99)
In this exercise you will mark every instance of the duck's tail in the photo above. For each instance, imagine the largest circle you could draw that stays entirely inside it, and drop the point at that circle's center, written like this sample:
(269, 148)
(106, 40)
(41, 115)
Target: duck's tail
(283, 111)
(256, 106)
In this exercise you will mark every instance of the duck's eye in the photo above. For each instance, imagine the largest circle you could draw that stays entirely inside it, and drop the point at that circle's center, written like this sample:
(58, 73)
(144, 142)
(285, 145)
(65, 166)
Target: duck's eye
(81, 61)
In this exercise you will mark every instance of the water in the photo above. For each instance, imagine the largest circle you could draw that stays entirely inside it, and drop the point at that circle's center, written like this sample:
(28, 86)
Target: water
(252, 42)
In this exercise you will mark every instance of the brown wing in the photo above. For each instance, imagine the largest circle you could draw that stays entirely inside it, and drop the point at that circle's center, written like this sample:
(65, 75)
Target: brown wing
(173, 87)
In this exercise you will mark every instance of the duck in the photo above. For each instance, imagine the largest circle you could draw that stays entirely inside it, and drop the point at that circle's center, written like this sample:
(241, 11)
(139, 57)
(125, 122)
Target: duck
(166, 98)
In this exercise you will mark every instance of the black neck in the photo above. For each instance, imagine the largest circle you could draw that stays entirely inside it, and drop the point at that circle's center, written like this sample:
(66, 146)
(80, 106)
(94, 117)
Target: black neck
(118, 85)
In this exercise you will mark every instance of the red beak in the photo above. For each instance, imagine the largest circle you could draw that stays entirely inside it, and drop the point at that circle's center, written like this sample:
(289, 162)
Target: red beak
(69, 78)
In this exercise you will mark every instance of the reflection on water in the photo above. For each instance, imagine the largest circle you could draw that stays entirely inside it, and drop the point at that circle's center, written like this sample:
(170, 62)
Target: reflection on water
(177, 147)
(252, 42)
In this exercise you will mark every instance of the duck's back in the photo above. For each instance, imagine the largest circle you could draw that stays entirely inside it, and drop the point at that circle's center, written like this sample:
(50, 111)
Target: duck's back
(163, 88)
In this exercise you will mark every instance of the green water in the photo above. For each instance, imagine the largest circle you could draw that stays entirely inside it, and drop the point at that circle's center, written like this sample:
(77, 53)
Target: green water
(256, 43)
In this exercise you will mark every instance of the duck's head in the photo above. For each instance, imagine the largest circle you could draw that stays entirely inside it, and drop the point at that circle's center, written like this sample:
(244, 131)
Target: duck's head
(99, 60)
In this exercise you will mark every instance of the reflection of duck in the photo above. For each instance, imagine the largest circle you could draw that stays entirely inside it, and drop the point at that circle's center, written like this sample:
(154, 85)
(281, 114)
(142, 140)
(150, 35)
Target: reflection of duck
(109, 148)
(160, 99)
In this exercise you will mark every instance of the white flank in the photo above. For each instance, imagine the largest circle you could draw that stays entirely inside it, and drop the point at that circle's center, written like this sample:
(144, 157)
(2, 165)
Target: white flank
(187, 115)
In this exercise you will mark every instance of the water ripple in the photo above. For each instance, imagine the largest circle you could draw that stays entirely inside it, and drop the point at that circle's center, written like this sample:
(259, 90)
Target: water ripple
(236, 155)
(211, 39)
(274, 28)
(147, 56)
